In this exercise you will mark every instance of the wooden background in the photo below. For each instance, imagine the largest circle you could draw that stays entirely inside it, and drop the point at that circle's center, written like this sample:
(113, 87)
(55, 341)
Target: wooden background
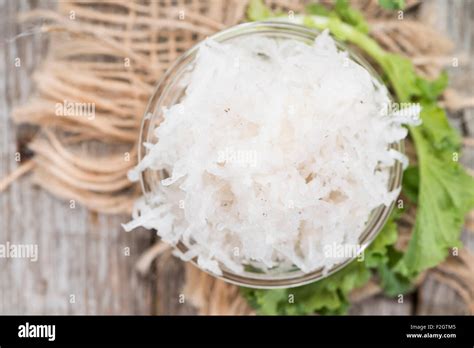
(83, 267)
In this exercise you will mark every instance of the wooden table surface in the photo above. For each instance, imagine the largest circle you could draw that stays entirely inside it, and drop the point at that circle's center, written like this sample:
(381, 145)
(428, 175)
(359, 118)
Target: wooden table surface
(83, 265)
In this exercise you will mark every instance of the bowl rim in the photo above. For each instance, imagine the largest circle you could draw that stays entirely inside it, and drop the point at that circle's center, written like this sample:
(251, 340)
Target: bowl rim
(165, 83)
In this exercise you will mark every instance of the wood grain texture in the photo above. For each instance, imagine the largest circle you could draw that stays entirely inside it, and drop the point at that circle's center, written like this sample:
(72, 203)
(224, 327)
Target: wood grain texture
(382, 305)
(83, 267)
(83, 254)
(170, 282)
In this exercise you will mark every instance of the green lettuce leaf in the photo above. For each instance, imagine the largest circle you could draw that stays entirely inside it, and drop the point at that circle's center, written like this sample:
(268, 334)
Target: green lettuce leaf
(351, 15)
(391, 280)
(318, 9)
(411, 183)
(446, 193)
(377, 253)
(327, 296)
(257, 11)
(431, 90)
(392, 4)
(401, 74)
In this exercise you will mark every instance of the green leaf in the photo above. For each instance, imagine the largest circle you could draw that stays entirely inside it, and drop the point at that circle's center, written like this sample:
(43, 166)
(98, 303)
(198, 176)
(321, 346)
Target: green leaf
(327, 296)
(392, 4)
(431, 90)
(341, 11)
(407, 84)
(351, 16)
(437, 133)
(317, 9)
(267, 302)
(411, 183)
(257, 11)
(392, 282)
(376, 253)
(446, 194)
(401, 74)
(382, 256)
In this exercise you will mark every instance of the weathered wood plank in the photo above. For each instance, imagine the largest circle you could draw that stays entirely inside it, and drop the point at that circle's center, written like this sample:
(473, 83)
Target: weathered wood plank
(170, 282)
(83, 267)
(383, 305)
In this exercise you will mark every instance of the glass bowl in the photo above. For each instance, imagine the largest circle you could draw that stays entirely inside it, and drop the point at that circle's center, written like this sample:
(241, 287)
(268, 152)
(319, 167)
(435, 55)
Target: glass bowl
(170, 90)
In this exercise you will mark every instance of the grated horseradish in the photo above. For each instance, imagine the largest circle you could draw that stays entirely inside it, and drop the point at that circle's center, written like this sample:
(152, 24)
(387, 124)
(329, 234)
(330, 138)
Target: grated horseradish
(277, 150)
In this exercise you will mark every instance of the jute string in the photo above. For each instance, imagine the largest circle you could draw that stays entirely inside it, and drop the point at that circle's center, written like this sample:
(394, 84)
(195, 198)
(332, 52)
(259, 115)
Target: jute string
(111, 54)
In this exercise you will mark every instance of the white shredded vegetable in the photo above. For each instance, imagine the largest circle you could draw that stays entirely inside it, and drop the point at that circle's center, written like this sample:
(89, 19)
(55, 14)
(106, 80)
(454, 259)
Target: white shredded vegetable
(277, 150)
